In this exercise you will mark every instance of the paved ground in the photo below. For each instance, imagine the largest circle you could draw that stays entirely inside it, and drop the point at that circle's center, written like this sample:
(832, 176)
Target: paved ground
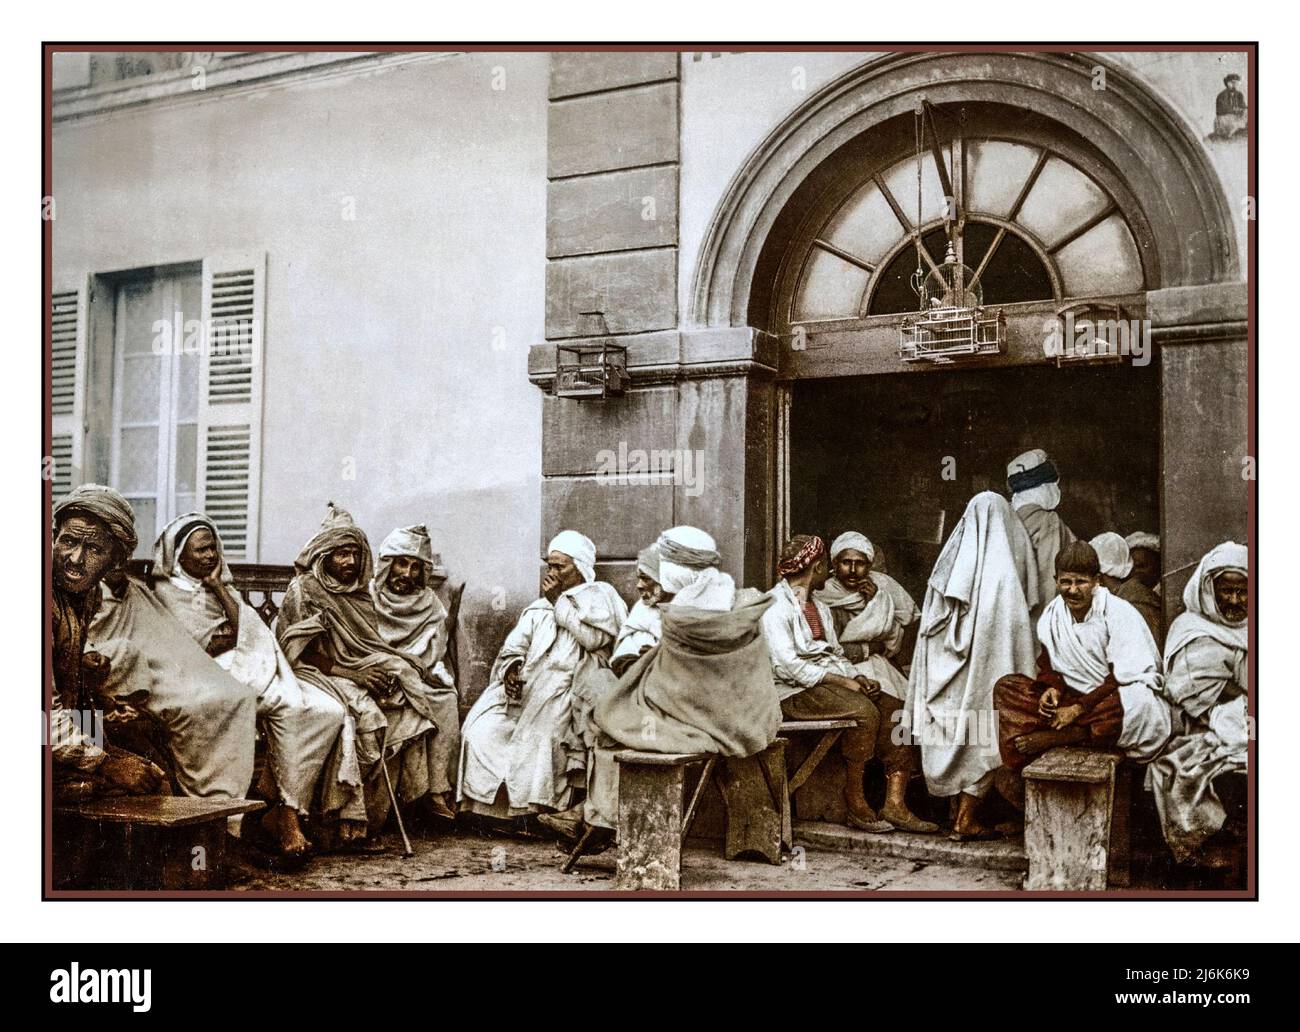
(464, 861)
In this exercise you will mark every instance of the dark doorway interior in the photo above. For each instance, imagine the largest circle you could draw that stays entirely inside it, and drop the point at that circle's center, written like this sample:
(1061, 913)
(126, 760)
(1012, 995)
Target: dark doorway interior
(899, 456)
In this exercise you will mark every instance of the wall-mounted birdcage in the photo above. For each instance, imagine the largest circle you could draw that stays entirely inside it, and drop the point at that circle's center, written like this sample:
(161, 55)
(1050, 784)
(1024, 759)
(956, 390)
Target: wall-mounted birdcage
(1091, 333)
(591, 368)
(953, 322)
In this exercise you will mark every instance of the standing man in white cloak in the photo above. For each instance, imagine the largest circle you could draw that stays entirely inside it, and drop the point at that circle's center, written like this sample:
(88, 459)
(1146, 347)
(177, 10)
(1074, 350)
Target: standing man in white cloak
(1206, 677)
(413, 620)
(975, 628)
(1035, 488)
(520, 752)
(301, 722)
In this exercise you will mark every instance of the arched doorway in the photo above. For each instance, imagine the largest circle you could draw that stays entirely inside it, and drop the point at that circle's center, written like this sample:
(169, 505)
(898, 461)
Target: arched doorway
(1067, 194)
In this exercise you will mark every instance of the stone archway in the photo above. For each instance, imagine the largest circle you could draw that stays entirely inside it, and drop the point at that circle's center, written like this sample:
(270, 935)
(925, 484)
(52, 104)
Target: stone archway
(1163, 165)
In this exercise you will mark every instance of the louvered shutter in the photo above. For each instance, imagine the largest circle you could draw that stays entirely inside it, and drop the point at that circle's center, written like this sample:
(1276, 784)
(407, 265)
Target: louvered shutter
(230, 399)
(67, 385)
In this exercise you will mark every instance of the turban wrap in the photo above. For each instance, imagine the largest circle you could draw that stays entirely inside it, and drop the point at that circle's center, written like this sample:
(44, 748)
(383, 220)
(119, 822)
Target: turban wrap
(104, 504)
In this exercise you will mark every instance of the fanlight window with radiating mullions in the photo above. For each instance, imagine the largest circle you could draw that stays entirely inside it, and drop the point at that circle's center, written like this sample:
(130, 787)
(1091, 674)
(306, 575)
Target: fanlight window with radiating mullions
(1037, 228)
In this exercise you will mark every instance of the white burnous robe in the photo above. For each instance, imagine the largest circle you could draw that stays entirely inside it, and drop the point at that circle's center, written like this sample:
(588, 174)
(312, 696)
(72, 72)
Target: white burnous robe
(1113, 636)
(875, 626)
(974, 629)
(530, 747)
(301, 722)
(1207, 679)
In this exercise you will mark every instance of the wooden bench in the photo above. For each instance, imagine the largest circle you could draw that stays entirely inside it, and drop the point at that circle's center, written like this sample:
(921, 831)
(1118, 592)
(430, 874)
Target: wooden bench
(144, 842)
(655, 816)
(1077, 820)
(823, 798)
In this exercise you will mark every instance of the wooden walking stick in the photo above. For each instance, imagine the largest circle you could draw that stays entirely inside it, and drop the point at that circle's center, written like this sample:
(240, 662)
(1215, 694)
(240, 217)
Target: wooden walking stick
(383, 762)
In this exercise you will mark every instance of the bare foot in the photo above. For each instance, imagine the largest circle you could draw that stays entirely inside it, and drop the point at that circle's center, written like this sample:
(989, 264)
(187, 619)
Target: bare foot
(351, 832)
(289, 833)
(1036, 742)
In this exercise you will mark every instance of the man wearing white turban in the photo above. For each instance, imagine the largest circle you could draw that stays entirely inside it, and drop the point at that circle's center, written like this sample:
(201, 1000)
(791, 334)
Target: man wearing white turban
(1206, 678)
(1144, 547)
(413, 620)
(1117, 577)
(1035, 488)
(520, 752)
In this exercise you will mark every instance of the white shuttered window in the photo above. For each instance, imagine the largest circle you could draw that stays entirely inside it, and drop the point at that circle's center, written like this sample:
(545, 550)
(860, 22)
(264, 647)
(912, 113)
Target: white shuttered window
(67, 386)
(186, 421)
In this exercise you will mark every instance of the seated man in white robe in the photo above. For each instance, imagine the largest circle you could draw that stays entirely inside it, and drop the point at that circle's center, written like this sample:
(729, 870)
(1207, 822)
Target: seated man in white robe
(413, 620)
(1099, 674)
(520, 752)
(1206, 678)
(300, 722)
(871, 610)
(975, 628)
(815, 681)
(657, 705)
(1035, 488)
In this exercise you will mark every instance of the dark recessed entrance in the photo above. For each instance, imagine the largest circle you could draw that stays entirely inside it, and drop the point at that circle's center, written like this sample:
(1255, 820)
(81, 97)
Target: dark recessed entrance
(875, 453)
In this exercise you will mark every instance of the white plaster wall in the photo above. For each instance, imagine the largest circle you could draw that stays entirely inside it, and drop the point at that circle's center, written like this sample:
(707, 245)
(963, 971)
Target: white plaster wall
(397, 340)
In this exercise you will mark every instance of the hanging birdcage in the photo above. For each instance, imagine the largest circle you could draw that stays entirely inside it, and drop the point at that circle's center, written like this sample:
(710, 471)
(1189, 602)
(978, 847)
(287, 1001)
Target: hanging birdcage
(951, 321)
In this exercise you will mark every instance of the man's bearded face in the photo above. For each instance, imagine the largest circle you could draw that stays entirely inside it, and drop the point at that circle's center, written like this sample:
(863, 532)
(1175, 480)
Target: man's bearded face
(648, 588)
(1232, 596)
(405, 574)
(852, 568)
(83, 552)
(564, 569)
(343, 564)
(200, 555)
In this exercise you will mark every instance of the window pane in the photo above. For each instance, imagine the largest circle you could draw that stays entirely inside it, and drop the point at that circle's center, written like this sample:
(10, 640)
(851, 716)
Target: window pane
(141, 308)
(187, 386)
(996, 172)
(831, 289)
(1062, 199)
(865, 226)
(187, 464)
(138, 460)
(146, 525)
(1102, 261)
(901, 180)
(141, 376)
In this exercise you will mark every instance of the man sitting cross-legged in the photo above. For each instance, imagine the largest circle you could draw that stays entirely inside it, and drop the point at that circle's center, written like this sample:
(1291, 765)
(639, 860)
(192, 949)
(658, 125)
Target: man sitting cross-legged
(520, 752)
(329, 630)
(300, 722)
(1098, 679)
(413, 620)
(816, 682)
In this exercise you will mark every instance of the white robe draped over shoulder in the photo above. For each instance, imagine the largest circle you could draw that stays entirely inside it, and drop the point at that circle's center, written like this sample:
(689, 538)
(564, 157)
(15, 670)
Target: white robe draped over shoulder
(530, 746)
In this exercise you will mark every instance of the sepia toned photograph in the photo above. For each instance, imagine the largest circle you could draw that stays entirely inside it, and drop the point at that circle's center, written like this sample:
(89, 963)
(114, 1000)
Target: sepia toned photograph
(786, 471)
